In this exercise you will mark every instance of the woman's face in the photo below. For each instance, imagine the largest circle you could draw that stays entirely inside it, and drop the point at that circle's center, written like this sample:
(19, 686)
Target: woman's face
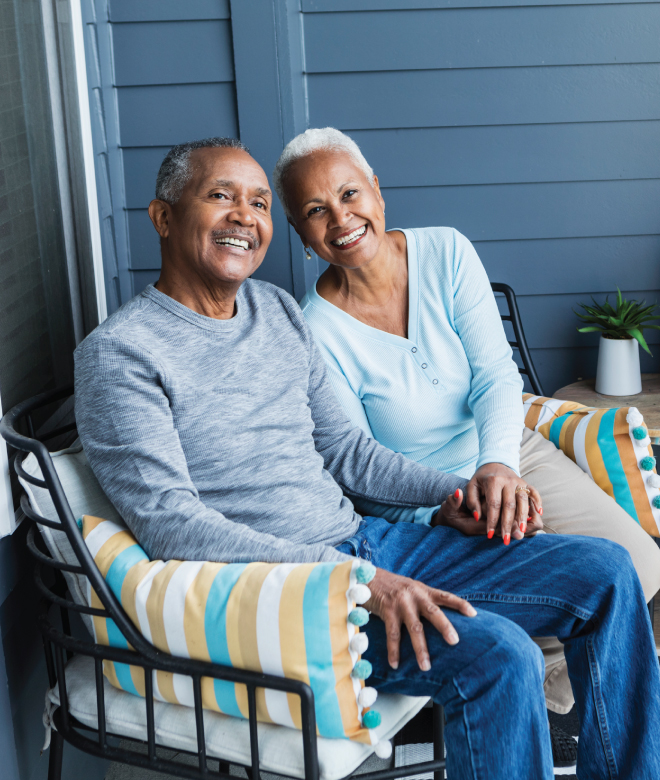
(335, 209)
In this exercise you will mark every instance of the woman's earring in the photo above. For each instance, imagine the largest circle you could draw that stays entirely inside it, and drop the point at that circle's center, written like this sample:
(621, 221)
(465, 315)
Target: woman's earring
(308, 254)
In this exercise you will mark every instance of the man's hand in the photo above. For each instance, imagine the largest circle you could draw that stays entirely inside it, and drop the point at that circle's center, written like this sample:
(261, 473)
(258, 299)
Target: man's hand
(454, 513)
(508, 505)
(401, 601)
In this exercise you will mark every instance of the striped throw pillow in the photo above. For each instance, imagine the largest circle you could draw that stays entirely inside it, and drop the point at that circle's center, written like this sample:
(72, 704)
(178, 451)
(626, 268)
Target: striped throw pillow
(292, 620)
(611, 445)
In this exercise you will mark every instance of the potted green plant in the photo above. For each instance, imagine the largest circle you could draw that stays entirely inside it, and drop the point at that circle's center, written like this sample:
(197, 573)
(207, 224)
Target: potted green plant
(621, 333)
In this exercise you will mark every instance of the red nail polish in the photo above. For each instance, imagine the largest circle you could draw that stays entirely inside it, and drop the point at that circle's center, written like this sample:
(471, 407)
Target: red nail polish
(491, 533)
(529, 518)
(475, 514)
(541, 511)
(507, 538)
(522, 527)
(457, 494)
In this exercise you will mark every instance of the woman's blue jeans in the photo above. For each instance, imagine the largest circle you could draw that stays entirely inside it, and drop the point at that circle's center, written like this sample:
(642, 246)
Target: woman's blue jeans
(584, 591)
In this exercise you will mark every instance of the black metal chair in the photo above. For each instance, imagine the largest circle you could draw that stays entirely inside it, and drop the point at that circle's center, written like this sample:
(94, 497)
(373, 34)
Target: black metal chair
(61, 644)
(520, 342)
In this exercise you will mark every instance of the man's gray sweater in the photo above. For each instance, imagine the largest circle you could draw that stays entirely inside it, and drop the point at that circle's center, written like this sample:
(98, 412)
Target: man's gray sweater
(222, 440)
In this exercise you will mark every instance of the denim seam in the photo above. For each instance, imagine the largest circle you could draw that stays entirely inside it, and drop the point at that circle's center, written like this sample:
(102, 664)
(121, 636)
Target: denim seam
(502, 598)
(600, 708)
(471, 750)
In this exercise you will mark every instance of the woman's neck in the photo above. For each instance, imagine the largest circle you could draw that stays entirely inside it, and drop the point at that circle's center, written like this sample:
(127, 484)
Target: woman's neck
(376, 293)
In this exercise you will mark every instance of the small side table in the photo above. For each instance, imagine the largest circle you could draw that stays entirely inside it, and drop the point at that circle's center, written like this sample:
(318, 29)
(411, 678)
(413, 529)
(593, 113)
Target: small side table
(648, 401)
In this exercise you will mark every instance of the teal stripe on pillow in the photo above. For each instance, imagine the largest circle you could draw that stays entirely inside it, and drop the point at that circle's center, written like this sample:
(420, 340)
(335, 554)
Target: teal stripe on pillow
(123, 672)
(555, 430)
(121, 566)
(612, 460)
(318, 647)
(215, 627)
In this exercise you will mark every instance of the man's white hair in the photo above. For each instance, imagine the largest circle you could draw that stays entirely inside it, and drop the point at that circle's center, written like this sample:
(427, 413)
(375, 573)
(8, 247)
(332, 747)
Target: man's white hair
(316, 139)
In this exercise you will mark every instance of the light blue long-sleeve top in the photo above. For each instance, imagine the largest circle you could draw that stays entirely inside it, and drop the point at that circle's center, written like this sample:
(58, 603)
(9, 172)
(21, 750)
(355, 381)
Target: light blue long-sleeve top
(449, 395)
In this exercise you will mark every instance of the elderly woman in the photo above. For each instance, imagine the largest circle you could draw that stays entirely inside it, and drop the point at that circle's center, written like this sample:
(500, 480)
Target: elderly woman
(417, 355)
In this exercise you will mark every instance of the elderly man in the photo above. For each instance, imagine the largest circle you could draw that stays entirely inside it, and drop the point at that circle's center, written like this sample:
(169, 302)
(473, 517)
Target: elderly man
(205, 412)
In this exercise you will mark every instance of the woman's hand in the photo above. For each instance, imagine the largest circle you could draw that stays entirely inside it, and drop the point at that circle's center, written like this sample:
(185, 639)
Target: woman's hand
(498, 495)
(401, 601)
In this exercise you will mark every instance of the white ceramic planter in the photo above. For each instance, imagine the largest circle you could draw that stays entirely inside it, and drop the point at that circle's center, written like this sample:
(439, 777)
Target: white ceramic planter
(618, 367)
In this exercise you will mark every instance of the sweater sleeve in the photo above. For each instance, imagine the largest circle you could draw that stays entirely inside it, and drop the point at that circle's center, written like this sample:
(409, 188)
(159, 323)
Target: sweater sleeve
(359, 464)
(127, 430)
(495, 394)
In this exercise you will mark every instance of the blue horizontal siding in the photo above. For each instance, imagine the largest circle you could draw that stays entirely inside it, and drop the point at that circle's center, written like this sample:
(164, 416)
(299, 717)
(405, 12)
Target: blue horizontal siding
(488, 96)
(141, 165)
(512, 153)
(145, 248)
(514, 211)
(167, 10)
(167, 115)
(482, 38)
(175, 82)
(554, 266)
(333, 6)
(550, 320)
(171, 53)
(140, 279)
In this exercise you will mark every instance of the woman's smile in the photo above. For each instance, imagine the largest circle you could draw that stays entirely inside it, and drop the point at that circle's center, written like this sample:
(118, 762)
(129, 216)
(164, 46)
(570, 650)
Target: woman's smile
(350, 239)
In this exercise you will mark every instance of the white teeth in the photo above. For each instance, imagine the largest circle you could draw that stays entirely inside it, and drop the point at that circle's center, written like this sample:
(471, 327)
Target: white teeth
(233, 242)
(350, 237)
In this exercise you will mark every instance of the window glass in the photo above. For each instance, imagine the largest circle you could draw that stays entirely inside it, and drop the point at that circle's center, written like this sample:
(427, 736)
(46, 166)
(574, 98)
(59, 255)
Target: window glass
(36, 326)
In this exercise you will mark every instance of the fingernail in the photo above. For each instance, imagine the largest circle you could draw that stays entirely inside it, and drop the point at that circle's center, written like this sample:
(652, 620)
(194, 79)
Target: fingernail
(522, 527)
(475, 514)
(507, 538)
(426, 664)
(457, 494)
(491, 533)
(394, 664)
(529, 518)
(541, 511)
(452, 638)
(472, 612)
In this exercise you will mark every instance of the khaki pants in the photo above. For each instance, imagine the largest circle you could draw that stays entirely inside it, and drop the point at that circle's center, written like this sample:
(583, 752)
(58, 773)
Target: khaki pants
(574, 504)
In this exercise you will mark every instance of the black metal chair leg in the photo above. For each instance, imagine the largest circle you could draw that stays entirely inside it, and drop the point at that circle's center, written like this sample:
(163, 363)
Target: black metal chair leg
(438, 738)
(55, 756)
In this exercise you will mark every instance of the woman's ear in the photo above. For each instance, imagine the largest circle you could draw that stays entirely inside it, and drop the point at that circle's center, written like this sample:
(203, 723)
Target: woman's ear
(376, 187)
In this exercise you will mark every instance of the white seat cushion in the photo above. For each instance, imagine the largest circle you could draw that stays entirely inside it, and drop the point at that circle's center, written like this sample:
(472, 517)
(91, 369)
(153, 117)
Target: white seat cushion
(280, 748)
(85, 496)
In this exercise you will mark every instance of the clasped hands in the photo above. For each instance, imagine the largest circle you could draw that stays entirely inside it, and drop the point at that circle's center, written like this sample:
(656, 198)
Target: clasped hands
(497, 502)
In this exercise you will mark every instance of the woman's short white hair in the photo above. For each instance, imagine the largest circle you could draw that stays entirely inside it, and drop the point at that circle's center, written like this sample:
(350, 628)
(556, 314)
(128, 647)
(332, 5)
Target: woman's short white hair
(316, 139)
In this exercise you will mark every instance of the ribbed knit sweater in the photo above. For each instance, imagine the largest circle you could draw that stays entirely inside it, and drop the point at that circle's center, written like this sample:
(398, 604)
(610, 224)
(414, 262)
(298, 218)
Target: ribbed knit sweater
(447, 396)
(222, 440)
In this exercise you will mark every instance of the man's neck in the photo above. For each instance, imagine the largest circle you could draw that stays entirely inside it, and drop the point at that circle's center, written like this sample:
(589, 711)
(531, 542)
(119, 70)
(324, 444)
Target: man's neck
(211, 300)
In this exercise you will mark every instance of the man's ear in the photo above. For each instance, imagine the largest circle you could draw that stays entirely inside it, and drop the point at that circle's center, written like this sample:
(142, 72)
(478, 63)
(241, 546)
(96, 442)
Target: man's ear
(159, 213)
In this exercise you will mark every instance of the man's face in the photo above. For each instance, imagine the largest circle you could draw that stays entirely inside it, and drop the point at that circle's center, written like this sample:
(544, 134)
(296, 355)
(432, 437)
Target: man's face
(221, 226)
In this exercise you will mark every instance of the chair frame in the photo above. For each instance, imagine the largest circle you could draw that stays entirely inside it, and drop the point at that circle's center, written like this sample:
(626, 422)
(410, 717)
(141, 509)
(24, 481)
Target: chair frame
(60, 644)
(520, 342)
